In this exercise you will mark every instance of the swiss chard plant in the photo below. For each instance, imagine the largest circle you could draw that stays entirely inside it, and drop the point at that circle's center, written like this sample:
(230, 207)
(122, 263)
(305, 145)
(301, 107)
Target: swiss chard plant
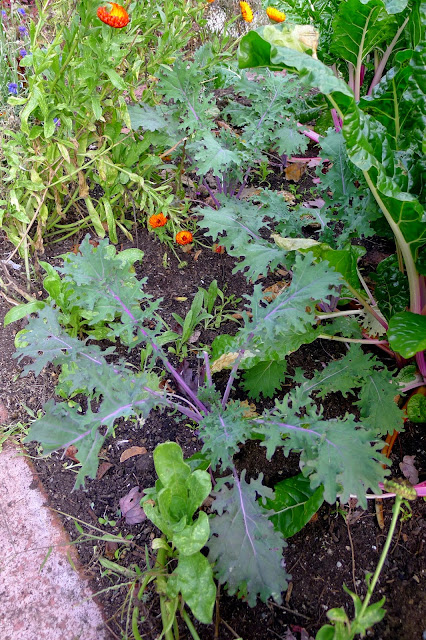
(382, 137)
(338, 457)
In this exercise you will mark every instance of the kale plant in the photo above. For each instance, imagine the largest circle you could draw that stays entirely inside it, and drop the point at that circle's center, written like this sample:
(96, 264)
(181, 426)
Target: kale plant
(341, 456)
(228, 141)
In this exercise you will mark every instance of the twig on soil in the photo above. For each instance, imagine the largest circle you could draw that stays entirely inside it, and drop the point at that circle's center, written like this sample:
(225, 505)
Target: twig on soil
(296, 613)
(230, 629)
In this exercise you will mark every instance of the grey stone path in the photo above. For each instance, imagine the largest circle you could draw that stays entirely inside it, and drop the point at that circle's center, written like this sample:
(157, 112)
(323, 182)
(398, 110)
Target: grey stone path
(49, 601)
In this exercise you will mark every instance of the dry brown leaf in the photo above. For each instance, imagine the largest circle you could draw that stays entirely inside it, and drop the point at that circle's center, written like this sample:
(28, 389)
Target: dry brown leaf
(71, 453)
(274, 290)
(409, 470)
(102, 469)
(224, 362)
(110, 549)
(294, 171)
(197, 254)
(288, 197)
(132, 451)
(131, 508)
(251, 409)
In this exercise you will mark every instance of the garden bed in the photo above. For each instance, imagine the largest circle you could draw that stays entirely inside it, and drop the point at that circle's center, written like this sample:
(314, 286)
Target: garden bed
(338, 546)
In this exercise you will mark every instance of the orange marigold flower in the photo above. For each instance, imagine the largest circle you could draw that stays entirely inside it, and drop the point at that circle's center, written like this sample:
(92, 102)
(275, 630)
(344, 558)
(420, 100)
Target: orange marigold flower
(117, 17)
(246, 11)
(158, 220)
(210, 0)
(184, 237)
(275, 15)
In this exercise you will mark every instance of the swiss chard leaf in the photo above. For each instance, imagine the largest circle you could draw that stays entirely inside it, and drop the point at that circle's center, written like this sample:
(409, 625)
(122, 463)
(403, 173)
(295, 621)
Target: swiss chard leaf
(391, 290)
(407, 333)
(251, 560)
(294, 504)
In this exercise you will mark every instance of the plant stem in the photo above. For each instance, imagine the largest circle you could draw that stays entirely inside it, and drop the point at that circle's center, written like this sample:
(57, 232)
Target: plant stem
(189, 624)
(358, 340)
(373, 582)
(382, 64)
(357, 86)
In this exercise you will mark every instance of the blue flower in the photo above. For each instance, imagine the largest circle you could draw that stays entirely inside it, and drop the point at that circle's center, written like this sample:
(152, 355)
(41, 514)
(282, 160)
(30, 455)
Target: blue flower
(23, 30)
(13, 88)
(23, 53)
(22, 12)
(57, 122)
(3, 14)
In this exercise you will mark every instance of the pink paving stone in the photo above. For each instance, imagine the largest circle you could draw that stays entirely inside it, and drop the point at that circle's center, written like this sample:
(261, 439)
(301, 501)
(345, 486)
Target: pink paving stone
(38, 602)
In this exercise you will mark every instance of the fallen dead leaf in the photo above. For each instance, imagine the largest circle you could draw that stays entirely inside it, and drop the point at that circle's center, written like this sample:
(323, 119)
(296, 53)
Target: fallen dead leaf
(71, 453)
(131, 508)
(110, 549)
(251, 409)
(274, 290)
(294, 171)
(131, 452)
(197, 254)
(102, 469)
(409, 470)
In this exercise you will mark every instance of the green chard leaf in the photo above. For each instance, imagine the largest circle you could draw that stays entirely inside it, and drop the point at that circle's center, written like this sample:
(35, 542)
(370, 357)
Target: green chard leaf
(391, 290)
(407, 333)
(251, 560)
(294, 504)
(193, 578)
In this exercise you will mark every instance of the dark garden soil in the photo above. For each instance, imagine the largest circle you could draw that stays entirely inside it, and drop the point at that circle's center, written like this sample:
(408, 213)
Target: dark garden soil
(337, 547)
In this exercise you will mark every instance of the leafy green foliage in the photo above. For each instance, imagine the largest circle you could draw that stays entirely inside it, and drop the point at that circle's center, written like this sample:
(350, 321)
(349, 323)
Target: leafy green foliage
(391, 290)
(177, 495)
(416, 408)
(83, 305)
(294, 504)
(359, 28)
(246, 550)
(264, 378)
(377, 388)
(246, 132)
(337, 454)
(222, 430)
(407, 333)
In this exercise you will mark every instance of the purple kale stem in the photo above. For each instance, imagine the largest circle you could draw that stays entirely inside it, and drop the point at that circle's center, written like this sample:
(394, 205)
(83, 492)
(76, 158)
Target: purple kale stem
(192, 415)
(219, 185)
(259, 124)
(243, 511)
(208, 370)
(244, 183)
(292, 427)
(170, 368)
(379, 71)
(211, 194)
(234, 370)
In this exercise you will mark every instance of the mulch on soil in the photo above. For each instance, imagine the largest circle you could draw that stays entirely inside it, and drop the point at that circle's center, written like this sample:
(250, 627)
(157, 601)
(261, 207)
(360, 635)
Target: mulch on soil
(330, 551)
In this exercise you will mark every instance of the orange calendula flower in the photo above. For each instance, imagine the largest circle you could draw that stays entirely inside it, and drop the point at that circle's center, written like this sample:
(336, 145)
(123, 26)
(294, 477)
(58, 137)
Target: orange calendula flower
(117, 17)
(246, 11)
(184, 237)
(275, 15)
(158, 220)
